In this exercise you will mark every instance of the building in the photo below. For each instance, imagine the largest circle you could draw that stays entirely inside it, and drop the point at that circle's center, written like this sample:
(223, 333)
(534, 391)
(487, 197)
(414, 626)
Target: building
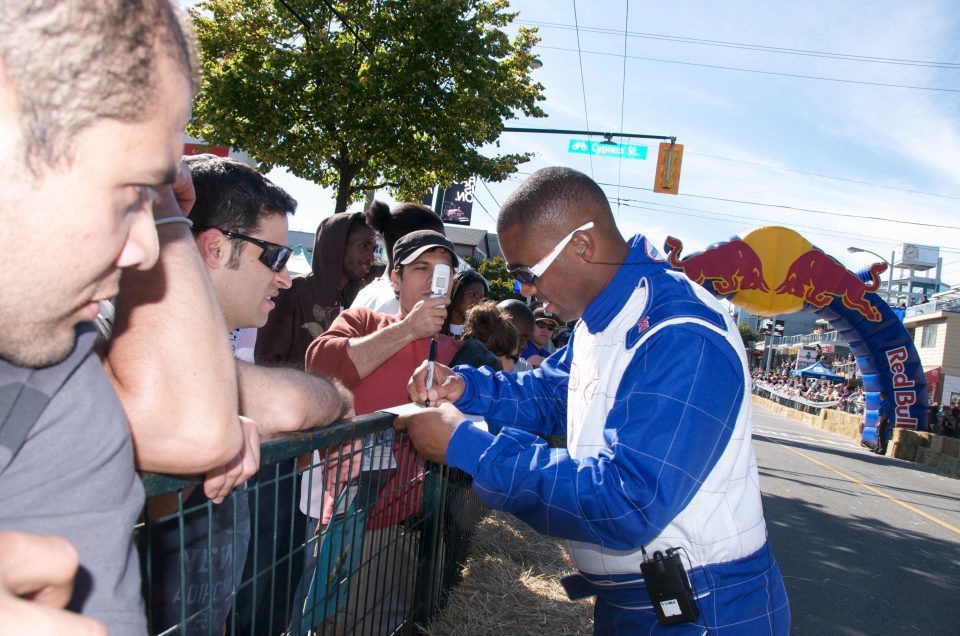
(473, 242)
(913, 275)
(935, 328)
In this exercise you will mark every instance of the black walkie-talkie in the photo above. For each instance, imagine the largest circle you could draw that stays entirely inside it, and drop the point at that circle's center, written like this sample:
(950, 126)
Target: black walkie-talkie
(669, 588)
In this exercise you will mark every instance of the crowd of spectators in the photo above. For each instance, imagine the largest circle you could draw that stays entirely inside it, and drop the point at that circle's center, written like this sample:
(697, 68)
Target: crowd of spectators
(945, 419)
(812, 391)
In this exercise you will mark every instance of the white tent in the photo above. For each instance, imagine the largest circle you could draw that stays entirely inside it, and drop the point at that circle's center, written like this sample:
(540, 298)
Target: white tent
(299, 262)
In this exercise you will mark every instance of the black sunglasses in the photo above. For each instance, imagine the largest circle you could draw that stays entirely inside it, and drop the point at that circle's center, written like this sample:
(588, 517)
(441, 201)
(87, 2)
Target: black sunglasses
(273, 255)
(549, 326)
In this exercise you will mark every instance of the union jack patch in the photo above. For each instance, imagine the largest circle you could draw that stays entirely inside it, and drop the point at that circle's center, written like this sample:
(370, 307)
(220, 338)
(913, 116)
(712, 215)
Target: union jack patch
(643, 324)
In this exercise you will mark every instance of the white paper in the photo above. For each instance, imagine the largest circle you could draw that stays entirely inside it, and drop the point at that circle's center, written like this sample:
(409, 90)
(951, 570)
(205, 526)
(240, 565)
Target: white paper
(413, 407)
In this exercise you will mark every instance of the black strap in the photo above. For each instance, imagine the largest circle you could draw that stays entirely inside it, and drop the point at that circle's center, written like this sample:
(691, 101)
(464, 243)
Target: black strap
(25, 393)
(20, 407)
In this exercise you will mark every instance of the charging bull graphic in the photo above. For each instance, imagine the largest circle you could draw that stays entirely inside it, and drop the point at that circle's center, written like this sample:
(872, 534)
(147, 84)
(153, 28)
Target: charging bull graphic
(733, 266)
(773, 271)
(818, 279)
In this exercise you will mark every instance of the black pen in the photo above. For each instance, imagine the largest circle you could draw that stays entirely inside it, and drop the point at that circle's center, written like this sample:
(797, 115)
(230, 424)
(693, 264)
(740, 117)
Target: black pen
(431, 360)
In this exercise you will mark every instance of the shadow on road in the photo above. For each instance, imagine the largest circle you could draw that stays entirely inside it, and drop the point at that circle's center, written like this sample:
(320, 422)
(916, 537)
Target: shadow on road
(866, 458)
(858, 575)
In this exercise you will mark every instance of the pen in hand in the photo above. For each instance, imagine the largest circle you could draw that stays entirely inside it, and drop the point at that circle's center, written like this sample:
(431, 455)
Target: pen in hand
(431, 359)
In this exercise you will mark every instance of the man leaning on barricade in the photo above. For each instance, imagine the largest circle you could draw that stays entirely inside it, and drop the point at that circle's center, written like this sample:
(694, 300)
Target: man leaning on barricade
(239, 221)
(90, 168)
(89, 148)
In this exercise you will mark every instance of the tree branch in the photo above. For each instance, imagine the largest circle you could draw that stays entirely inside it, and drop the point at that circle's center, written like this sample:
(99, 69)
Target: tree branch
(307, 29)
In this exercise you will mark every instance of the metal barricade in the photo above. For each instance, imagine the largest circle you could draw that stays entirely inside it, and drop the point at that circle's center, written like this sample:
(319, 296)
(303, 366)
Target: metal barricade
(376, 553)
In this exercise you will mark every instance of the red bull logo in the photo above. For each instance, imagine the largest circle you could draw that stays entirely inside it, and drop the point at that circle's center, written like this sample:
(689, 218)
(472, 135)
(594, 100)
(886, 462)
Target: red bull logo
(747, 268)
(818, 279)
(732, 266)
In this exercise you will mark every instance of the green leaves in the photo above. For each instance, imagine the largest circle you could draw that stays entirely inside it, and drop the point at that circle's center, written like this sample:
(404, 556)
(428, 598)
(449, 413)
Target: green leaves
(398, 91)
(501, 282)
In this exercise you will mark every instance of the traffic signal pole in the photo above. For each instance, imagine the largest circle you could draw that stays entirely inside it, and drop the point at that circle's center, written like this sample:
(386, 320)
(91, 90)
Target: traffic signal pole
(605, 135)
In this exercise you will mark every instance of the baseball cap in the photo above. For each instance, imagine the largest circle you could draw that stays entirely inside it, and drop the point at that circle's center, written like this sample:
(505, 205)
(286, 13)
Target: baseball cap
(410, 246)
(540, 314)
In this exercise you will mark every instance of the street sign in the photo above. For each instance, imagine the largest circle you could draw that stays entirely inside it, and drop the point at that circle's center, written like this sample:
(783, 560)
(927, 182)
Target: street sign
(622, 151)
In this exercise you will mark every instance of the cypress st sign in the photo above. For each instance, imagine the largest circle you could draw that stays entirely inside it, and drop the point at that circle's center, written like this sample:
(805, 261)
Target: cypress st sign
(606, 149)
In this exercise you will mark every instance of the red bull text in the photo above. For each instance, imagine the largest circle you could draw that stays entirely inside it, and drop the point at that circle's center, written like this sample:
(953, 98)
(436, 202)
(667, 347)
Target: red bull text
(904, 395)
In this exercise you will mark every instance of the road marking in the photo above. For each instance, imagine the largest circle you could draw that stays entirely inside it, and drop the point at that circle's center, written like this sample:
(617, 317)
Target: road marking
(806, 438)
(872, 489)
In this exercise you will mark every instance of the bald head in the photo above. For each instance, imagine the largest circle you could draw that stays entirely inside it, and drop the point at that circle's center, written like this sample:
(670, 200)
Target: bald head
(520, 316)
(558, 235)
(555, 197)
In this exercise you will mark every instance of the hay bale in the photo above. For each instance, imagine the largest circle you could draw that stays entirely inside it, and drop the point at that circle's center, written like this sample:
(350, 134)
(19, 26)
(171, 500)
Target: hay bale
(511, 585)
(903, 451)
(951, 447)
(936, 443)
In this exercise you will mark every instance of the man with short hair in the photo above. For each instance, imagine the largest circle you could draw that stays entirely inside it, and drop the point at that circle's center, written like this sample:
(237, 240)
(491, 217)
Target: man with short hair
(522, 318)
(652, 393)
(544, 326)
(240, 221)
(391, 225)
(374, 354)
(91, 119)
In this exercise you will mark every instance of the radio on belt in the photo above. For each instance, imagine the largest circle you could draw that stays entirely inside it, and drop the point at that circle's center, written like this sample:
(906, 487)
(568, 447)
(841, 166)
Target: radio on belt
(669, 587)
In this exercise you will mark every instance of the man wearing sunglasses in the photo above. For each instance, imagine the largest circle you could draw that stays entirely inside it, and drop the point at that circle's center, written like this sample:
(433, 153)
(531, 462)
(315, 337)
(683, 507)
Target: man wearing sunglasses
(652, 394)
(544, 326)
(240, 227)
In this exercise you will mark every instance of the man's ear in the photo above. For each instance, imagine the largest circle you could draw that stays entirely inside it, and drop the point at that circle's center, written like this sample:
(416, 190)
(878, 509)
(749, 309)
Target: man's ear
(395, 280)
(214, 248)
(585, 245)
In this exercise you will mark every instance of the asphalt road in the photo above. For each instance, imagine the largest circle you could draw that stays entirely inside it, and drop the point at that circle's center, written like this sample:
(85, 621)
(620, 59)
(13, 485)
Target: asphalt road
(867, 544)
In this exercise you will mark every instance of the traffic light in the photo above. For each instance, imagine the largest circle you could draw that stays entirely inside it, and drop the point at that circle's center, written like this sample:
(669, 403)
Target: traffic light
(667, 176)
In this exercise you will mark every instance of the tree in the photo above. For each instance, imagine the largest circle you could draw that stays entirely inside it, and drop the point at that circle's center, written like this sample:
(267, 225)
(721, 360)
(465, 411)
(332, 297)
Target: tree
(396, 94)
(501, 282)
(748, 335)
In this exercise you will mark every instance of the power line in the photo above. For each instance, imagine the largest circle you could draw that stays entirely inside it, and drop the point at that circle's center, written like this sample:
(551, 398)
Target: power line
(786, 207)
(826, 176)
(484, 208)
(623, 96)
(735, 218)
(487, 188)
(757, 47)
(740, 219)
(347, 26)
(799, 209)
(829, 233)
(583, 84)
(757, 71)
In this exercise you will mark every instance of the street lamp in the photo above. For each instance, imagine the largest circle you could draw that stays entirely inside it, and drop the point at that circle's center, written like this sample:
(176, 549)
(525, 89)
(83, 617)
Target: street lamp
(855, 250)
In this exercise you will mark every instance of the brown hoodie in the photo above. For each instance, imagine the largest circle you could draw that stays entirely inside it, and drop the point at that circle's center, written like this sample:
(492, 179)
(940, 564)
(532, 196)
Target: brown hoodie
(305, 310)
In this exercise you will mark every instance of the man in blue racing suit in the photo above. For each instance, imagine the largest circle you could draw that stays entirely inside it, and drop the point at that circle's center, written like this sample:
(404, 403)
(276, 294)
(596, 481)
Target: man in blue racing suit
(652, 395)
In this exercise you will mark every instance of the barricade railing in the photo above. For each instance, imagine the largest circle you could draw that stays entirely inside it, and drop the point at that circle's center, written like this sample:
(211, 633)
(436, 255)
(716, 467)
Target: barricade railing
(375, 553)
(806, 406)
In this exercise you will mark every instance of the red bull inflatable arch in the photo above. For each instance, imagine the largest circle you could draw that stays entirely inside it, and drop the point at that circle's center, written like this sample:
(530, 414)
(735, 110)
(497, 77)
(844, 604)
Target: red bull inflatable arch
(774, 271)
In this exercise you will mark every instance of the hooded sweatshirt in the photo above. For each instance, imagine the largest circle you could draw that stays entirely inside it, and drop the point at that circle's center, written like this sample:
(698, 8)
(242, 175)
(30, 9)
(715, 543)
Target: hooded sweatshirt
(307, 308)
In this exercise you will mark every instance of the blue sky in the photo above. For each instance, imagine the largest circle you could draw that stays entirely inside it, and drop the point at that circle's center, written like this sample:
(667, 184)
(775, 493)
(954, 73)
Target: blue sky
(751, 137)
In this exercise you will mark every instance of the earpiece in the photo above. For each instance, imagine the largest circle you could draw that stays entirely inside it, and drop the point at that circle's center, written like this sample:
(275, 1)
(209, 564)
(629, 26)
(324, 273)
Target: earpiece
(581, 250)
